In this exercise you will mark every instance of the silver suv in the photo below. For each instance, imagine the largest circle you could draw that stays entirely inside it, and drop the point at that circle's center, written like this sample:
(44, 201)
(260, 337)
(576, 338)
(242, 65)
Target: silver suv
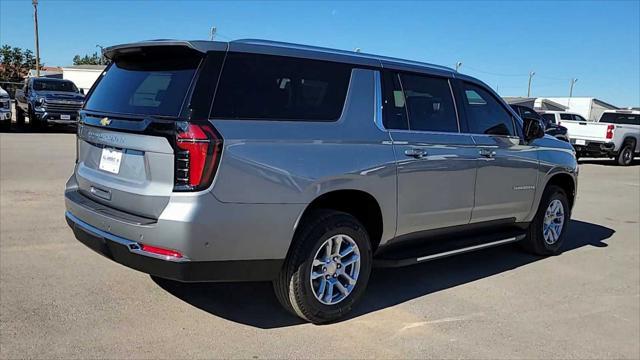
(255, 160)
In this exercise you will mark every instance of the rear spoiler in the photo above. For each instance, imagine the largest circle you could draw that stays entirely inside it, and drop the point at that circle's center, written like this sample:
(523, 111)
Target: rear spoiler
(198, 46)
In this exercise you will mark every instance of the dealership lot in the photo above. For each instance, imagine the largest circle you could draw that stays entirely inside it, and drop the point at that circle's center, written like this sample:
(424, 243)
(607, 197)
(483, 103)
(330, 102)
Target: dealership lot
(60, 300)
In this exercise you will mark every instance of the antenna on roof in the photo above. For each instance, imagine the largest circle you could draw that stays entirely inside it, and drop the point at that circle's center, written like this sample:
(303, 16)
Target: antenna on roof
(212, 32)
(357, 50)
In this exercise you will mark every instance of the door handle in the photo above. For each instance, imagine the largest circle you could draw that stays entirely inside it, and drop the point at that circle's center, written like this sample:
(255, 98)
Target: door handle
(488, 153)
(415, 153)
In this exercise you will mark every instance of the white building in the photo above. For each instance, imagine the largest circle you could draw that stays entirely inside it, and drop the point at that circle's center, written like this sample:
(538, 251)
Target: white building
(83, 75)
(590, 108)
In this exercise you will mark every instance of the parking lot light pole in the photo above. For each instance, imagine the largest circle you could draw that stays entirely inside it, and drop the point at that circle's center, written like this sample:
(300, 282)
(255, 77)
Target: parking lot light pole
(529, 87)
(35, 22)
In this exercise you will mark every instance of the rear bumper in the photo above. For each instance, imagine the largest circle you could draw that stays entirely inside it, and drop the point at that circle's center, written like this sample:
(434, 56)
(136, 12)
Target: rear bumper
(593, 148)
(128, 253)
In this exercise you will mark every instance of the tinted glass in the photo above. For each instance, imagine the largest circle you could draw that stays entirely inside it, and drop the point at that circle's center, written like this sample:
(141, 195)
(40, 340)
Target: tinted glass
(52, 85)
(429, 103)
(526, 112)
(395, 110)
(623, 119)
(279, 88)
(485, 114)
(550, 118)
(145, 87)
(566, 117)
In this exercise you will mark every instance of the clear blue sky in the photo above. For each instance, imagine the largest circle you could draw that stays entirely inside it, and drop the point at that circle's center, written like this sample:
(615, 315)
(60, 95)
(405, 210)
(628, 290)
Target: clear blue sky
(498, 42)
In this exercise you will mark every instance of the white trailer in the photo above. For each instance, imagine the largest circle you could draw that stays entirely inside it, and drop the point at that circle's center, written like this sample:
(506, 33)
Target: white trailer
(589, 107)
(82, 75)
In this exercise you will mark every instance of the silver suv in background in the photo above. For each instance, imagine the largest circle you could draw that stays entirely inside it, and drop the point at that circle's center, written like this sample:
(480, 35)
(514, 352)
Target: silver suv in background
(305, 166)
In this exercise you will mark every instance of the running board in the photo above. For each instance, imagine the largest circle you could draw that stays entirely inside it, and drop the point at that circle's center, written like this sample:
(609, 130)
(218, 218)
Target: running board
(426, 256)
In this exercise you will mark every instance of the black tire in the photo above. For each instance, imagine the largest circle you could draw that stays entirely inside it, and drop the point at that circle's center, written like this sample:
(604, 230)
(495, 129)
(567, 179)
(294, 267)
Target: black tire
(34, 123)
(625, 155)
(293, 286)
(535, 242)
(19, 116)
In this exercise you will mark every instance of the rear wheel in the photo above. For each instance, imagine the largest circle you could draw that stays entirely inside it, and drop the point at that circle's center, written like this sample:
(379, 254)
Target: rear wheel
(546, 232)
(327, 268)
(625, 155)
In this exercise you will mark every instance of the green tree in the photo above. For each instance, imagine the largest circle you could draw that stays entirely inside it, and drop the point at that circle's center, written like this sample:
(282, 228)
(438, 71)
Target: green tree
(15, 63)
(93, 59)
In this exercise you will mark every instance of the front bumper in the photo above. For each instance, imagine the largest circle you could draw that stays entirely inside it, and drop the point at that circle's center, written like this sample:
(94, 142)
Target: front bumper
(5, 115)
(129, 253)
(55, 118)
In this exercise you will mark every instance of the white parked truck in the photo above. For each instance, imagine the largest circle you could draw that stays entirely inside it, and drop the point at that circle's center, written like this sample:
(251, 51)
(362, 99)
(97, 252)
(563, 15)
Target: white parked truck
(615, 135)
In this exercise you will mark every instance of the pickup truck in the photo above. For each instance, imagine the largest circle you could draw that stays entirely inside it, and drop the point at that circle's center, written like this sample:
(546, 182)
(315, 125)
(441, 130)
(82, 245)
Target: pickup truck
(5, 110)
(48, 101)
(615, 135)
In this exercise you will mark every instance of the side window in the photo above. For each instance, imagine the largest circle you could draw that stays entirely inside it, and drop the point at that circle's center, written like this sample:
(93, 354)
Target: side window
(566, 117)
(579, 118)
(395, 111)
(551, 118)
(429, 103)
(254, 86)
(528, 113)
(485, 114)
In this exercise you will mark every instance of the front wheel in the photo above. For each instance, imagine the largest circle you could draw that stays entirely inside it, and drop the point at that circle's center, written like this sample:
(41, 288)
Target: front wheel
(625, 155)
(327, 268)
(547, 230)
(19, 116)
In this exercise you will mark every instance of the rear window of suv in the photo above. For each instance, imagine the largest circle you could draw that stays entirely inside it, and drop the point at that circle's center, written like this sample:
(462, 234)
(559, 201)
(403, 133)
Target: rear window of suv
(141, 86)
(254, 86)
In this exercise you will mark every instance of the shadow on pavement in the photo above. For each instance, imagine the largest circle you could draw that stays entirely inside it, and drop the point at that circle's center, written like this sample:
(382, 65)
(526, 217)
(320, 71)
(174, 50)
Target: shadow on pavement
(25, 129)
(255, 304)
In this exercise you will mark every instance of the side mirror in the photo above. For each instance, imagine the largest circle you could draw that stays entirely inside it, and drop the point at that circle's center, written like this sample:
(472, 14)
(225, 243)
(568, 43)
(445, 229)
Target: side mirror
(82, 91)
(533, 129)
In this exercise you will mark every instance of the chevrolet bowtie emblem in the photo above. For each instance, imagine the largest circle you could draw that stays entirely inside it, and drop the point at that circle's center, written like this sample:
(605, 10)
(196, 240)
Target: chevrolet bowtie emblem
(105, 121)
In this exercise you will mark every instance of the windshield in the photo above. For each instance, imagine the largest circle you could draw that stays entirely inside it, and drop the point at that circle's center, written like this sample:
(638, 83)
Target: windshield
(619, 118)
(53, 85)
(142, 86)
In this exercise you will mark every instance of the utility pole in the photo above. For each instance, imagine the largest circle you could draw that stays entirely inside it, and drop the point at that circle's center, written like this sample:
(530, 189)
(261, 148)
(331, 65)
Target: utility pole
(212, 32)
(35, 18)
(529, 88)
(573, 82)
(458, 65)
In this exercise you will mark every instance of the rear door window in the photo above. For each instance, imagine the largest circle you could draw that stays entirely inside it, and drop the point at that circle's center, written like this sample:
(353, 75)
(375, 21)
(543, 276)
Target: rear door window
(485, 114)
(567, 117)
(254, 86)
(429, 103)
(550, 118)
(141, 86)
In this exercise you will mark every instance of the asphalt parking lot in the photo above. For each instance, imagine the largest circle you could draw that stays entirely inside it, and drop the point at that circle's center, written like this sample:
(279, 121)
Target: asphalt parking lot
(58, 299)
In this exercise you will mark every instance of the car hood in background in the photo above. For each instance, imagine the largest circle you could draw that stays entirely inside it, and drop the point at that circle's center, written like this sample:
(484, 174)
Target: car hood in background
(59, 95)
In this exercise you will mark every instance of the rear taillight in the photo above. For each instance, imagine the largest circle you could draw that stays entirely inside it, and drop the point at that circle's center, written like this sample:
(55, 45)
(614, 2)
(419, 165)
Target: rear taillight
(161, 251)
(198, 148)
(610, 131)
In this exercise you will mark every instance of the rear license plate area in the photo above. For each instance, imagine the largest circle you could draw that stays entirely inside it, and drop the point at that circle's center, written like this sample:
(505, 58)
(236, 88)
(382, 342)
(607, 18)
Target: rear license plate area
(110, 160)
